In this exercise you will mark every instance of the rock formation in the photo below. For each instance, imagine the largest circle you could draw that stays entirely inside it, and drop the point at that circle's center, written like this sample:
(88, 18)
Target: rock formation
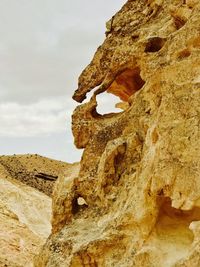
(136, 199)
(34, 170)
(25, 213)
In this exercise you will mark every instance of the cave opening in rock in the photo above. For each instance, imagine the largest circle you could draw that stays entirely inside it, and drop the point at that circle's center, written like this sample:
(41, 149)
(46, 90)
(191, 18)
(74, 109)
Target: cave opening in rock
(127, 83)
(172, 234)
(178, 22)
(78, 203)
(154, 44)
(107, 104)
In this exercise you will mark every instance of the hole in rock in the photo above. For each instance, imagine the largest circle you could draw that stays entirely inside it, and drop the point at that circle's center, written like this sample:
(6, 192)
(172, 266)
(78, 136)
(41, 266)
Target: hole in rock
(154, 44)
(78, 203)
(115, 99)
(126, 83)
(89, 95)
(75, 206)
(179, 21)
(184, 54)
(171, 234)
(107, 103)
(114, 167)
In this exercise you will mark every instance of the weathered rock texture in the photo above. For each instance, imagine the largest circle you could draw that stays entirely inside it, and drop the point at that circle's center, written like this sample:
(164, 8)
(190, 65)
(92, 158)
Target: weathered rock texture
(25, 216)
(136, 198)
(34, 170)
(25, 213)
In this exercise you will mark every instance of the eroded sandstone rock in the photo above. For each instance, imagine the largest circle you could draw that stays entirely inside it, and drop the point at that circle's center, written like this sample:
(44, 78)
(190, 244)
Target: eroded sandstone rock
(25, 213)
(25, 216)
(33, 170)
(139, 180)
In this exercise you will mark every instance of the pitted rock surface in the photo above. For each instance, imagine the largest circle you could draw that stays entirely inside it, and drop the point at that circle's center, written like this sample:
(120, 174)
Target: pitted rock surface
(136, 199)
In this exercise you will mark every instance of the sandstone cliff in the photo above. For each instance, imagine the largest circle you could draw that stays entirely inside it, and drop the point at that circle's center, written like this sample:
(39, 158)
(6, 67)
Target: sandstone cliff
(25, 215)
(25, 212)
(136, 199)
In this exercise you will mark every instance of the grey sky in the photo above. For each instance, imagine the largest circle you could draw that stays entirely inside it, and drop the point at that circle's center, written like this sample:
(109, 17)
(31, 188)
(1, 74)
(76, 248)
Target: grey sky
(44, 46)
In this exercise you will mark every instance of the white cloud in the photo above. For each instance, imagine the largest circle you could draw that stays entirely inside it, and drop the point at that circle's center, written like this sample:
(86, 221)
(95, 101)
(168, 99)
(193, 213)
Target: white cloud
(44, 47)
(46, 116)
(36, 119)
(46, 44)
(106, 103)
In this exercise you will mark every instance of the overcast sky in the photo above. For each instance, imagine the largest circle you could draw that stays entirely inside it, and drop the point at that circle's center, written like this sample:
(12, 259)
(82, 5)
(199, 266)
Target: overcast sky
(44, 46)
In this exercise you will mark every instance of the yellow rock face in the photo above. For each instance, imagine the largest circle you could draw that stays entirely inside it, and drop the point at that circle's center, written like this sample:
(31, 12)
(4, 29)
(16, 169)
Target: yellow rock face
(25, 215)
(136, 199)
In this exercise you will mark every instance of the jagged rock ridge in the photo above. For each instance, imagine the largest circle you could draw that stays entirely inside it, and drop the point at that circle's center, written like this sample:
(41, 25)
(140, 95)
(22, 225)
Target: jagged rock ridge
(135, 200)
